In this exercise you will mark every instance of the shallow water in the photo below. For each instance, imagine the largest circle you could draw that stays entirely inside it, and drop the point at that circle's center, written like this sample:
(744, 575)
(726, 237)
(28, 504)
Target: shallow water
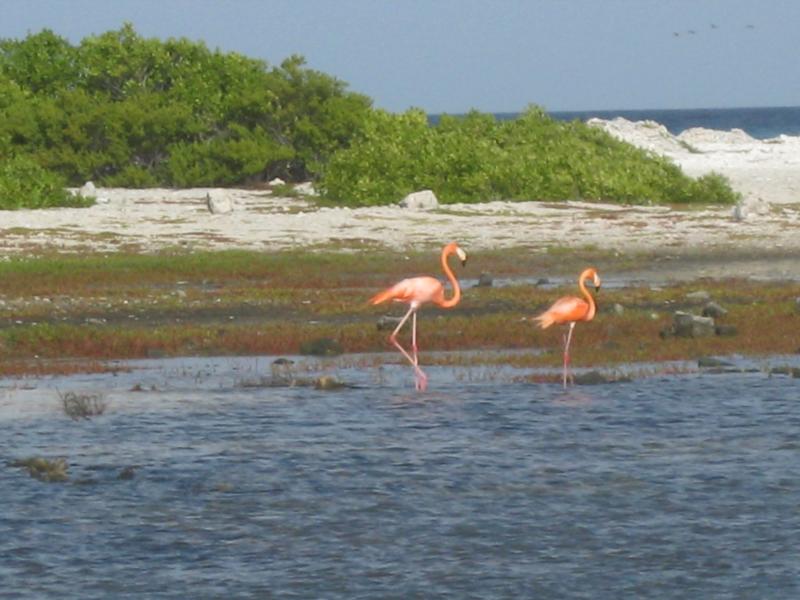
(665, 487)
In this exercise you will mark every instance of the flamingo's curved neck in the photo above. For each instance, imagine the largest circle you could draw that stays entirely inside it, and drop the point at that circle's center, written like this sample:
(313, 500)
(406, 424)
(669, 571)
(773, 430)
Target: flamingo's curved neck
(454, 299)
(588, 296)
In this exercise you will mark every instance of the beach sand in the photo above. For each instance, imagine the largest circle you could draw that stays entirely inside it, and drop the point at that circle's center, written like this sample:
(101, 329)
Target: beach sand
(767, 223)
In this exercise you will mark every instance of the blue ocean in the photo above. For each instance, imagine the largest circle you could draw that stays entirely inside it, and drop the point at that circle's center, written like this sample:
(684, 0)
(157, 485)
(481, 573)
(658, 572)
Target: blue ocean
(761, 123)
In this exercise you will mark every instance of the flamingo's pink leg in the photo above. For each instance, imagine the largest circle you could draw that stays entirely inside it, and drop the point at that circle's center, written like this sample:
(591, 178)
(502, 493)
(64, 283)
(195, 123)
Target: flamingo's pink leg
(566, 352)
(420, 379)
(414, 338)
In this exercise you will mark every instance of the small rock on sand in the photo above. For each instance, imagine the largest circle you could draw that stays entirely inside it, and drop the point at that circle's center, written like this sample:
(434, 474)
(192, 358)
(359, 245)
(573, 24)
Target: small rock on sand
(219, 202)
(422, 200)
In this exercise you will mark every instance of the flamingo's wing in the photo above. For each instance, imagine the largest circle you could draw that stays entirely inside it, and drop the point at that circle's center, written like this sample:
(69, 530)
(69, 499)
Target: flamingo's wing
(415, 289)
(564, 310)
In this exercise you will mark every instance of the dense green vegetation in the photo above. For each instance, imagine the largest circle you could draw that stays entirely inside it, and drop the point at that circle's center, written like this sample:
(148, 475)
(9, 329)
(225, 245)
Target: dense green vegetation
(24, 184)
(532, 157)
(122, 110)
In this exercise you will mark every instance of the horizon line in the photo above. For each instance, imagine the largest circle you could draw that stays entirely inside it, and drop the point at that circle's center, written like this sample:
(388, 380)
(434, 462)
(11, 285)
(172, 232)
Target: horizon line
(614, 110)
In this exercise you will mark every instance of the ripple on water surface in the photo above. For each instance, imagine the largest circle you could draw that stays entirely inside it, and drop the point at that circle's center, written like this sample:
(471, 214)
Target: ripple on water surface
(666, 487)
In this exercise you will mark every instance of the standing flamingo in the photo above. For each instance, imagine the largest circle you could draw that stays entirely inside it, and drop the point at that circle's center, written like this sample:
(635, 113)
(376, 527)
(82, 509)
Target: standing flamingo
(571, 309)
(416, 291)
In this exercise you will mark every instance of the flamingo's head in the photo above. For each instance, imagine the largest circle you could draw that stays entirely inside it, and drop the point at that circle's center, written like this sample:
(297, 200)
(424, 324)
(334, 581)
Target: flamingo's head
(591, 273)
(462, 256)
(453, 248)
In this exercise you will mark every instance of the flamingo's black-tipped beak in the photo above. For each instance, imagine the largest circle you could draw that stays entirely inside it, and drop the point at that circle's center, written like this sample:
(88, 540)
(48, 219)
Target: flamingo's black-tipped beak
(597, 288)
(462, 256)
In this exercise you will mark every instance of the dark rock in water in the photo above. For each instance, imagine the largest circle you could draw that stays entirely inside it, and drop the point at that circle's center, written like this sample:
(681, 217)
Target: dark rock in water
(321, 347)
(726, 330)
(714, 310)
(728, 371)
(281, 369)
(542, 281)
(281, 366)
(597, 378)
(792, 371)
(485, 280)
(388, 323)
(711, 362)
(127, 473)
(688, 325)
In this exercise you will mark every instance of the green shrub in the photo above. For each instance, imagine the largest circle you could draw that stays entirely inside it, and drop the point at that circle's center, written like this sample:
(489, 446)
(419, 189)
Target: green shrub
(314, 114)
(24, 184)
(713, 187)
(223, 161)
(119, 109)
(122, 110)
(533, 157)
(131, 176)
(385, 163)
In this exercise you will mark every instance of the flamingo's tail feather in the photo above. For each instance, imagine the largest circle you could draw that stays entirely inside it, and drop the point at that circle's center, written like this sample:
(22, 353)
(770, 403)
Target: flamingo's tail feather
(545, 320)
(382, 296)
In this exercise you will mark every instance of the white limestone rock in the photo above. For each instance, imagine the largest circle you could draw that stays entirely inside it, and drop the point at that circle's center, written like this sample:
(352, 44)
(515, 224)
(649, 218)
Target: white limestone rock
(305, 189)
(422, 200)
(219, 202)
(88, 190)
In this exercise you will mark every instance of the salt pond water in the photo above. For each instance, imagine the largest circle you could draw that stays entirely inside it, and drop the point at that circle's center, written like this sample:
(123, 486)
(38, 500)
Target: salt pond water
(665, 487)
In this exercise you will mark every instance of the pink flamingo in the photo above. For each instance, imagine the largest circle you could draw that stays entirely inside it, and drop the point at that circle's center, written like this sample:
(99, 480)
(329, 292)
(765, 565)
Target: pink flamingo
(417, 291)
(571, 309)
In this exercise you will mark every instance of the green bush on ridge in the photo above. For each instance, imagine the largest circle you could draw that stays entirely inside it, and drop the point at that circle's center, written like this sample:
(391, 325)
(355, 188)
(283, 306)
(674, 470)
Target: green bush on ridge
(122, 110)
(24, 184)
(477, 158)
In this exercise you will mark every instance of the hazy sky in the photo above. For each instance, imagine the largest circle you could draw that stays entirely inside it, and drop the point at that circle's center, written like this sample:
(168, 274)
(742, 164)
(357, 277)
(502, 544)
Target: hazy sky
(501, 55)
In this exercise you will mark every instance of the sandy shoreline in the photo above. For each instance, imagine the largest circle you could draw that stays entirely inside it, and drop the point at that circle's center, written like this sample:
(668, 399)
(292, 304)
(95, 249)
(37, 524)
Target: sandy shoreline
(767, 173)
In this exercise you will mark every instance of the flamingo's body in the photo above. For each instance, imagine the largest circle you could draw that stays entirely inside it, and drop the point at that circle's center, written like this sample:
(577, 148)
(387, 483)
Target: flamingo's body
(415, 292)
(570, 310)
(419, 290)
